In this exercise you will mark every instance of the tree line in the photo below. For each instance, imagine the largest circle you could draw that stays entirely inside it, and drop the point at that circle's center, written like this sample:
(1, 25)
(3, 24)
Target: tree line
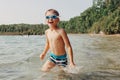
(23, 29)
(103, 15)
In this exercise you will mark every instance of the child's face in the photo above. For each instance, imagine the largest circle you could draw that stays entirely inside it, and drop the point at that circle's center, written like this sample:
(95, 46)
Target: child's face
(51, 18)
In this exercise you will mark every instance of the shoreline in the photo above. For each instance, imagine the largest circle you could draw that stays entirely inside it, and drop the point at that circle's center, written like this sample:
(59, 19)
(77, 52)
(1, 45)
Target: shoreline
(94, 34)
(67, 33)
(105, 35)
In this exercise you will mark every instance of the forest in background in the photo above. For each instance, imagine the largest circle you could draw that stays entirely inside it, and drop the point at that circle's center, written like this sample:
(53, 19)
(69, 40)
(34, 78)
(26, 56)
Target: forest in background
(102, 16)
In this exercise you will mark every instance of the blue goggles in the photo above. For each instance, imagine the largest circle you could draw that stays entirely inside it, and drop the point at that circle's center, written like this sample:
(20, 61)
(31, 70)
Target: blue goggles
(52, 17)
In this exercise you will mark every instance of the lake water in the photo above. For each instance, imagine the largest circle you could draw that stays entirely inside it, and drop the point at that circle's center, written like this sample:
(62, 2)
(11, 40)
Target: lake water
(98, 55)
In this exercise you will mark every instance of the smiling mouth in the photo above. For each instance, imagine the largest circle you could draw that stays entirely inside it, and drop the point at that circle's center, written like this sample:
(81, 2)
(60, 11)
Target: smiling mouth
(50, 22)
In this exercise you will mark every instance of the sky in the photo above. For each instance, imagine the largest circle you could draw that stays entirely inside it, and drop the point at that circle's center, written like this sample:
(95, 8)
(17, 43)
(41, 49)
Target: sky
(33, 11)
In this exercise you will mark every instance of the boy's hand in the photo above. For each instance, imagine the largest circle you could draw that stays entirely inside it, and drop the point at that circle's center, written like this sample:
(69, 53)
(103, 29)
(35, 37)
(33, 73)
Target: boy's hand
(72, 65)
(42, 56)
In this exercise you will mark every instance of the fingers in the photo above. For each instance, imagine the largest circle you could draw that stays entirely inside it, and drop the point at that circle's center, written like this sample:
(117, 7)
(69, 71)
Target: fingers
(72, 65)
(41, 57)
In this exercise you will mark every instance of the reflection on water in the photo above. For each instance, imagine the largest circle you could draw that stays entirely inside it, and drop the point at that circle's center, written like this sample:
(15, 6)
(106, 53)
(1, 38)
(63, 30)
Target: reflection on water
(98, 55)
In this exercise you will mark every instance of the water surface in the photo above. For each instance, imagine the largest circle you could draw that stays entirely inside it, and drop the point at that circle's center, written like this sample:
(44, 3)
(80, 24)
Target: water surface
(99, 56)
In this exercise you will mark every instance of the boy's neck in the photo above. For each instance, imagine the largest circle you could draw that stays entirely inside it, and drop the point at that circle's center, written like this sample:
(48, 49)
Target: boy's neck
(53, 27)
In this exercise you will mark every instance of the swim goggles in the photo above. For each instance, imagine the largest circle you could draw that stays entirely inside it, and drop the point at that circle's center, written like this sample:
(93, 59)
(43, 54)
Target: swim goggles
(52, 17)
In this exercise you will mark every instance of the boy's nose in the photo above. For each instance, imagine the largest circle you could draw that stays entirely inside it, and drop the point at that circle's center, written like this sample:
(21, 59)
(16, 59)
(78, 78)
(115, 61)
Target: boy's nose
(50, 19)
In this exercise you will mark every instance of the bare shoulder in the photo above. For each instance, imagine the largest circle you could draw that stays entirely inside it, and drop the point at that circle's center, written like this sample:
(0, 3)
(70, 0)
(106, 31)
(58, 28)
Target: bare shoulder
(46, 31)
(62, 31)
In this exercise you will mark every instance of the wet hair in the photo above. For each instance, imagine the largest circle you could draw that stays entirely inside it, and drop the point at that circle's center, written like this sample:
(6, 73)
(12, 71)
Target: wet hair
(53, 10)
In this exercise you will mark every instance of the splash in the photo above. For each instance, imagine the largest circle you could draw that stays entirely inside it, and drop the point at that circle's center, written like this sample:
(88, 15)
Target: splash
(73, 70)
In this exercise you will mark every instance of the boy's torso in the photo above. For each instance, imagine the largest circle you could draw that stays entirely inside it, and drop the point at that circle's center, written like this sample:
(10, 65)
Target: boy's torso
(56, 42)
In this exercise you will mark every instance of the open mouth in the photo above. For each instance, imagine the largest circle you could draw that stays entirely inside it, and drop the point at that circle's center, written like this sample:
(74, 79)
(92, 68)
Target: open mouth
(50, 22)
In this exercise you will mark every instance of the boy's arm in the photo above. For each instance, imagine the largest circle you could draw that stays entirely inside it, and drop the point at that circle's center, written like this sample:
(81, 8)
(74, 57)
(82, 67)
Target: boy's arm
(68, 46)
(42, 55)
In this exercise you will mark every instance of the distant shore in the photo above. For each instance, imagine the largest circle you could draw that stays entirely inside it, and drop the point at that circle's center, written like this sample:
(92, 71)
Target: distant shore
(104, 35)
(91, 34)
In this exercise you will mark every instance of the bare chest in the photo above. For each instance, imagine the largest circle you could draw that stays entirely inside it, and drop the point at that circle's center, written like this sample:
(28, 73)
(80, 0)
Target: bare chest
(54, 36)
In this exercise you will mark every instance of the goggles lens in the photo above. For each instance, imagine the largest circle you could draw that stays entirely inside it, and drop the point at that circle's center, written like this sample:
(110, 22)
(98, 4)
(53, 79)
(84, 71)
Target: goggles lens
(52, 17)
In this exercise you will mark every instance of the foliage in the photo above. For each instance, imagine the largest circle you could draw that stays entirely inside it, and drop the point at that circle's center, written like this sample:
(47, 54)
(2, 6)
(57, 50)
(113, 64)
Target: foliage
(103, 15)
(23, 29)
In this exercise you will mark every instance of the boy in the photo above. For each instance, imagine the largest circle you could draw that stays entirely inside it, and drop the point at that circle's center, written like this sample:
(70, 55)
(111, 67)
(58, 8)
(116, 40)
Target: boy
(56, 41)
